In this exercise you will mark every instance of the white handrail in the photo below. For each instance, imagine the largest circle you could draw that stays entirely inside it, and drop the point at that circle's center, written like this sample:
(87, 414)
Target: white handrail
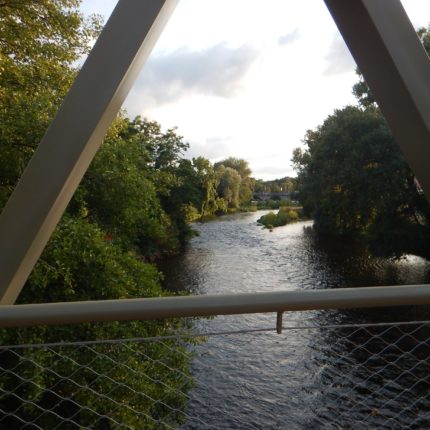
(207, 305)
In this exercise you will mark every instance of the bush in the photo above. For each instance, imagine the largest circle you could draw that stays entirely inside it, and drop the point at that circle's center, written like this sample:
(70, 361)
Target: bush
(82, 262)
(283, 217)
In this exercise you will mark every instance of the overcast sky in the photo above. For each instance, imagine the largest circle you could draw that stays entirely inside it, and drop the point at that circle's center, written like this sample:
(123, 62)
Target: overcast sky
(247, 78)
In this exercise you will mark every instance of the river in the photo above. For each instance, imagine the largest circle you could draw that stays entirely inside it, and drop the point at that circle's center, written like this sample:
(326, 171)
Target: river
(270, 381)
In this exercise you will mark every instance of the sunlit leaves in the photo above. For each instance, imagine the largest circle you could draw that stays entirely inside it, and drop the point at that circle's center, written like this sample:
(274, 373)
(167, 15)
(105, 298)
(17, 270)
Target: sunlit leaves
(356, 183)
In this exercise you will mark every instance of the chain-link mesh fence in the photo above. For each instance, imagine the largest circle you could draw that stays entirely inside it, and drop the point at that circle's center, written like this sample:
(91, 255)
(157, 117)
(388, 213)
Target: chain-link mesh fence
(336, 377)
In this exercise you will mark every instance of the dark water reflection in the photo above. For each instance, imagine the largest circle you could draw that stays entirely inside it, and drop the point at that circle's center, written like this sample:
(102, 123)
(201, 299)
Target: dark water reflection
(302, 379)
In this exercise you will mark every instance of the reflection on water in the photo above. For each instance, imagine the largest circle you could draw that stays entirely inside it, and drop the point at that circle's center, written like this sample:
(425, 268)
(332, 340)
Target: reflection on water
(286, 381)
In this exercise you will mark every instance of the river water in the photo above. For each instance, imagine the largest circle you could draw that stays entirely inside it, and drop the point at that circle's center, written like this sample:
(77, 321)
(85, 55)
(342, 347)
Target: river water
(270, 381)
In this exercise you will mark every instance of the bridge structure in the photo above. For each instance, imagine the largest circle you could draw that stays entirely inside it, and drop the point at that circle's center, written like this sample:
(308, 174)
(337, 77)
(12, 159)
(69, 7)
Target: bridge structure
(397, 69)
(264, 196)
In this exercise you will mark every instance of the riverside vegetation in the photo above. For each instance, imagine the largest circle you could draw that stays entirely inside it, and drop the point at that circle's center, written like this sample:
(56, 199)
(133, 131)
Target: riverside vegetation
(356, 185)
(285, 215)
(132, 209)
(135, 204)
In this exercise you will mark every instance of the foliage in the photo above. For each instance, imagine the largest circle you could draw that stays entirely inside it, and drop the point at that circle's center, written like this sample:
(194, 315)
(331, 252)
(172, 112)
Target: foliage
(235, 186)
(132, 208)
(275, 204)
(356, 183)
(40, 41)
(285, 184)
(198, 186)
(130, 382)
(229, 185)
(354, 180)
(125, 213)
(241, 166)
(284, 216)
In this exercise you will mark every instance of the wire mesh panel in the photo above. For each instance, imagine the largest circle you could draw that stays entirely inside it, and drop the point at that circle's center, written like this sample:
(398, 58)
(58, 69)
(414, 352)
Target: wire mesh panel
(334, 377)
(138, 384)
(380, 378)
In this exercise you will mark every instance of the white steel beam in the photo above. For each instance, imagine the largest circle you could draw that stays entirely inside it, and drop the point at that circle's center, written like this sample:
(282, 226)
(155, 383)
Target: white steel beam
(69, 145)
(207, 305)
(396, 67)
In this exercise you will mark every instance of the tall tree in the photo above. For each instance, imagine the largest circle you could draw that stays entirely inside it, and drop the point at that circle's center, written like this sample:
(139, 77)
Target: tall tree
(354, 179)
(356, 183)
(96, 251)
(229, 185)
(238, 164)
(40, 43)
(246, 183)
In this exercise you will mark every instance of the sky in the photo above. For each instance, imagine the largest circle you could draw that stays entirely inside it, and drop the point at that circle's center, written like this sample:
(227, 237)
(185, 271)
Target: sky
(247, 78)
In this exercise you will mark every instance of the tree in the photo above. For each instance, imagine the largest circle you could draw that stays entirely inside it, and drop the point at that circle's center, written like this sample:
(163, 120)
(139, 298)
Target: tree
(229, 185)
(356, 183)
(119, 192)
(116, 223)
(354, 180)
(40, 41)
(246, 183)
(238, 164)
(208, 181)
(193, 194)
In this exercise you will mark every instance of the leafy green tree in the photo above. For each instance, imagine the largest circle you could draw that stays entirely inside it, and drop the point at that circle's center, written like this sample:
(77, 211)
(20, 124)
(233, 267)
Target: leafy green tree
(229, 185)
(285, 184)
(40, 41)
(118, 221)
(246, 190)
(207, 181)
(354, 180)
(81, 262)
(356, 183)
(289, 185)
(238, 164)
(246, 183)
(121, 196)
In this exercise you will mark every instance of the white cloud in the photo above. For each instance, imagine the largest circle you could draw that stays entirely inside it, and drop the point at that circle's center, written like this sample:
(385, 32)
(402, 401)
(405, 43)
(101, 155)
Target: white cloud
(338, 58)
(289, 38)
(247, 84)
(272, 171)
(214, 148)
(215, 71)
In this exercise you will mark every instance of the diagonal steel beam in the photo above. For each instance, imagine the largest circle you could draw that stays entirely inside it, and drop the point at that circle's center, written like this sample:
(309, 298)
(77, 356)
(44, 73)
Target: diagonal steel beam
(74, 136)
(396, 67)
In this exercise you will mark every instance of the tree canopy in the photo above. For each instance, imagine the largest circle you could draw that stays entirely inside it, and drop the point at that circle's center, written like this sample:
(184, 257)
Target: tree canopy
(235, 186)
(355, 182)
(119, 221)
(40, 43)
(133, 207)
